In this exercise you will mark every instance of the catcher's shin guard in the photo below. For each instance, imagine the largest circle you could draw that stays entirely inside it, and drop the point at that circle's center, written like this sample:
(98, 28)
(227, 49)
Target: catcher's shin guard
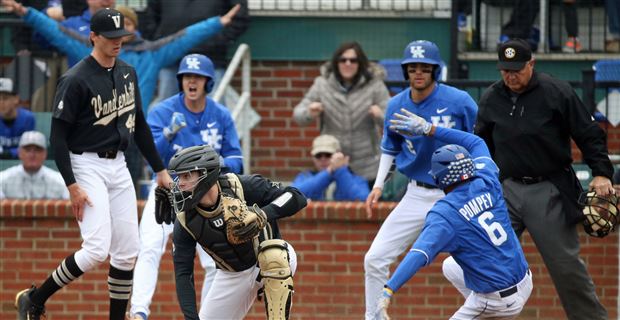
(275, 269)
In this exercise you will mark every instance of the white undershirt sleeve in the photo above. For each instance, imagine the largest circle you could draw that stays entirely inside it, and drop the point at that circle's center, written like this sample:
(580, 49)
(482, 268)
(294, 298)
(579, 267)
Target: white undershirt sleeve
(385, 163)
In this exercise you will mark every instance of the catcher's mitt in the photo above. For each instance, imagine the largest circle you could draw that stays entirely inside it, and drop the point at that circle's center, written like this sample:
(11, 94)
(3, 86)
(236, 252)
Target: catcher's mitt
(243, 223)
(163, 205)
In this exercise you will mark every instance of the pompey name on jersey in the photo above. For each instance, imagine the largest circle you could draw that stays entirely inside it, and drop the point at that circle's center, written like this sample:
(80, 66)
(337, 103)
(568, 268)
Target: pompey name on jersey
(476, 205)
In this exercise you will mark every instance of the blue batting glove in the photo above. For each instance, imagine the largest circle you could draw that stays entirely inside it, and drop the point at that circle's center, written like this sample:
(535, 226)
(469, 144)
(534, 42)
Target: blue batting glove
(176, 123)
(384, 303)
(410, 124)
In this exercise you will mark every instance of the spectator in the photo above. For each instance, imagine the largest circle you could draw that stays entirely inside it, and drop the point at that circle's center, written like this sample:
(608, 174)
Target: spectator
(528, 119)
(146, 56)
(572, 45)
(331, 168)
(166, 17)
(31, 179)
(15, 119)
(613, 16)
(350, 98)
(519, 25)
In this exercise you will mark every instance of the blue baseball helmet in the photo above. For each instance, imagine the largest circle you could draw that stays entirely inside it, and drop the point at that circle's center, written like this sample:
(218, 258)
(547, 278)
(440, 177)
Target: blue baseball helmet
(422, 51)
(197, 64)
(451, 164)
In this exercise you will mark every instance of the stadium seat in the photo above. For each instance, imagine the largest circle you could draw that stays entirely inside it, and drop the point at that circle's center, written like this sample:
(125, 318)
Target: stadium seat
(394, 72)
(609, 108)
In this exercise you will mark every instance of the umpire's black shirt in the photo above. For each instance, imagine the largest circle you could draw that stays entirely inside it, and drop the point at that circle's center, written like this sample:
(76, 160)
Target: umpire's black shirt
(531, 136)
(98, 109)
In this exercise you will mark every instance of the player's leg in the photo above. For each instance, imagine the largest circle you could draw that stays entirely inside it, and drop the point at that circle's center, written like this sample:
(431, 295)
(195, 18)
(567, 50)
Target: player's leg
(125, 239)
(454, 273)
(558, 243)
(396, 234)
(208, 264)
(275, 260)
(153, 240)
(94, 229)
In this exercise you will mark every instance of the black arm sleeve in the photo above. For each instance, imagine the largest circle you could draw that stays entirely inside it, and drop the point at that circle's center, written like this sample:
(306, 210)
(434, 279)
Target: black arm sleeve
(276, 201)
(58, 140)
(183, 258)
(144, 138)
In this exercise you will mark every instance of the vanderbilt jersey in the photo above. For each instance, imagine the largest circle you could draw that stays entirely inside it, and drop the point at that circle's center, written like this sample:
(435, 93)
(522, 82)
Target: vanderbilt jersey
(101, 104)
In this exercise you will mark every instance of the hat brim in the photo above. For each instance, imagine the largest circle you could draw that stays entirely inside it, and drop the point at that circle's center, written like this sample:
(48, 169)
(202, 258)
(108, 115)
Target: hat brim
(322, 150)
(115, 34)
(511, 65)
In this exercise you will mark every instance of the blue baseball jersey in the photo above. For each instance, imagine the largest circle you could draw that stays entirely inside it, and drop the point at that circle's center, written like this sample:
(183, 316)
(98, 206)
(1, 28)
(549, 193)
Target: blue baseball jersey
(10, 134)
(445, 107)
(213, 126)
(472, 224)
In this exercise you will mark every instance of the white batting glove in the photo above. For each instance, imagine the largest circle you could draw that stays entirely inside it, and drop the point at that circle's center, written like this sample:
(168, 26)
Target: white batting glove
(384, 303)
(410, 124)
(176, 123)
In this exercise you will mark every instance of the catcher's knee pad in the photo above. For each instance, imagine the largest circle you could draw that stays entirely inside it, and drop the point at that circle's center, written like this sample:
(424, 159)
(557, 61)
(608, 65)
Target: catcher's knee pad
(275, 269)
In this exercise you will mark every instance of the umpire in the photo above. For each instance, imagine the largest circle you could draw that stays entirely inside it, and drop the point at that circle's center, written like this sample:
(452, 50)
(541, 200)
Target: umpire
(97, 113)
(528, 120)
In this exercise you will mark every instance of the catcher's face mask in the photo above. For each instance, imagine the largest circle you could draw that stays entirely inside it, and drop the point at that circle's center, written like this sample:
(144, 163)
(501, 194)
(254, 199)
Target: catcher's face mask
(189, 187)
(601, 213)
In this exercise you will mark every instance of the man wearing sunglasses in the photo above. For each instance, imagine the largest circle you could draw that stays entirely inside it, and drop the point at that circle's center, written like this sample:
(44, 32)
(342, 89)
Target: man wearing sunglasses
(528, 119)
(331, 169)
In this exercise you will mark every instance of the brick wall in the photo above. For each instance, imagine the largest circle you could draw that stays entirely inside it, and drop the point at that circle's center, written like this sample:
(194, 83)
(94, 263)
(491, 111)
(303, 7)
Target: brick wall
(281, 148)
(330, 240)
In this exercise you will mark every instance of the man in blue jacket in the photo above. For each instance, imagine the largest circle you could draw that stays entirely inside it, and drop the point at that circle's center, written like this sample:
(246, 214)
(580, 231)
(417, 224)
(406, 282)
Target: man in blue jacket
(331, 167)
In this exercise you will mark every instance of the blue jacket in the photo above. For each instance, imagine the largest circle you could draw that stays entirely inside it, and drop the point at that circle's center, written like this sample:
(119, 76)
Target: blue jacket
(147, 57)
(349, 186)
(10, 135)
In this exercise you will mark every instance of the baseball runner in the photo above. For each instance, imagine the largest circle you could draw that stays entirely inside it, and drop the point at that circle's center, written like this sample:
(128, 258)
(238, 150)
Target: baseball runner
(233, 217)
(187, 119)
(443, 106)
(97, 112)
(471, 222)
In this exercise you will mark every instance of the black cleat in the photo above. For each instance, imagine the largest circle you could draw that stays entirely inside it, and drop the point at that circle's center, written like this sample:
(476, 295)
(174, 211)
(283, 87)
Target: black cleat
(25, 308)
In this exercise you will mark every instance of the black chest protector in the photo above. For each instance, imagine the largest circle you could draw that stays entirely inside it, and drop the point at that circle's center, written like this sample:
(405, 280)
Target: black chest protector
(208, 229)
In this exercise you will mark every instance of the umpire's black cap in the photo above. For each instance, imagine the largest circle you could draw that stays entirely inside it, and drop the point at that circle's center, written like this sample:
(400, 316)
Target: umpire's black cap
(513, 54)
(109, 23)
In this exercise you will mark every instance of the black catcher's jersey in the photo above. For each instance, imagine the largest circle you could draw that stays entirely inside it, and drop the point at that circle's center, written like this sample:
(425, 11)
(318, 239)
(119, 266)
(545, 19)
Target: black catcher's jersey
(101, 104)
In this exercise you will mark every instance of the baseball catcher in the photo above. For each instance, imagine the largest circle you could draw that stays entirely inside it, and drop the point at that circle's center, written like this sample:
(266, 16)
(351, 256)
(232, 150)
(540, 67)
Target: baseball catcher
(233, 217)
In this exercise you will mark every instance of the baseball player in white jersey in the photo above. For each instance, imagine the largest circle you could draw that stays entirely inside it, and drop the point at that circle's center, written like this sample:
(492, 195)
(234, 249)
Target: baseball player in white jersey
(189, 118)
(441, 105)
(97, 113)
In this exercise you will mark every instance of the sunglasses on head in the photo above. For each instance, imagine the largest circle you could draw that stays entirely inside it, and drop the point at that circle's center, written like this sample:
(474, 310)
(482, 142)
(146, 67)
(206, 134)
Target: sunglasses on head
(351, 60)
(323, 155)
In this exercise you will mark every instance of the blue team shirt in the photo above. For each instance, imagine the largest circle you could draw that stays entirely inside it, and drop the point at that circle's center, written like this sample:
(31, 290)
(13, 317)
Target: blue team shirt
(472, 224)
(213, 126)
(445, 107)
(10, 135)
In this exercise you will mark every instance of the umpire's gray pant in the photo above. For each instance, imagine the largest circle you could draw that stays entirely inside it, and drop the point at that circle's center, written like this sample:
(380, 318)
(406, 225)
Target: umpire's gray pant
(538, 207)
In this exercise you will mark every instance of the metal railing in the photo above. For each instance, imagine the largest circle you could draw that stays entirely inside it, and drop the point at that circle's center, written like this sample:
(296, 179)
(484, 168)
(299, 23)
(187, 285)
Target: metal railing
(242, 112)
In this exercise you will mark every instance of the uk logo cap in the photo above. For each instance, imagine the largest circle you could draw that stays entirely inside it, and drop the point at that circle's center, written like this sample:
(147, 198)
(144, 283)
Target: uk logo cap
(109, 23)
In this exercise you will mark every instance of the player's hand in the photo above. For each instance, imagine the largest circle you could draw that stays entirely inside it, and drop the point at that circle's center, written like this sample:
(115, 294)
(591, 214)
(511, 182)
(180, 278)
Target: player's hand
(375, 111)
(315, 109)
(227, 18)
(371, 200)
(602, 186)
(176, 123)
(78, 198)
(14, 7)
(164, 179)
(410, 124)
(384, 303)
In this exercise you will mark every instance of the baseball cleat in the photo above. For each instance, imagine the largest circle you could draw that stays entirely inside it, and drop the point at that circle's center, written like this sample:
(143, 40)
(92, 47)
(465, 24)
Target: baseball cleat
(25, 308)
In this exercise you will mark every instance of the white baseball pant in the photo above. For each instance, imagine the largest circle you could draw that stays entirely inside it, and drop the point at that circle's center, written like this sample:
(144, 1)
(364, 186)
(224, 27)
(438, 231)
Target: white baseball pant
(153, 240)
(396, 235)
(110, 226)
(233, 293)
(486, 305)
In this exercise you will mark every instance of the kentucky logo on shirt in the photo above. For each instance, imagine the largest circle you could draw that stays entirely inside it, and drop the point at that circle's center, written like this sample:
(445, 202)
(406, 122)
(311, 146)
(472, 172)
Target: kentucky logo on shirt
(115, 107)
(212, 138)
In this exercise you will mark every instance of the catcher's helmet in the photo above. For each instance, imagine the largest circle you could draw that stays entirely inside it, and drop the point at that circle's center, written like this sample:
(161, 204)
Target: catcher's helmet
(422, 51)
(451, 164)
(203, 159)
(600, 213)
(197, 64)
